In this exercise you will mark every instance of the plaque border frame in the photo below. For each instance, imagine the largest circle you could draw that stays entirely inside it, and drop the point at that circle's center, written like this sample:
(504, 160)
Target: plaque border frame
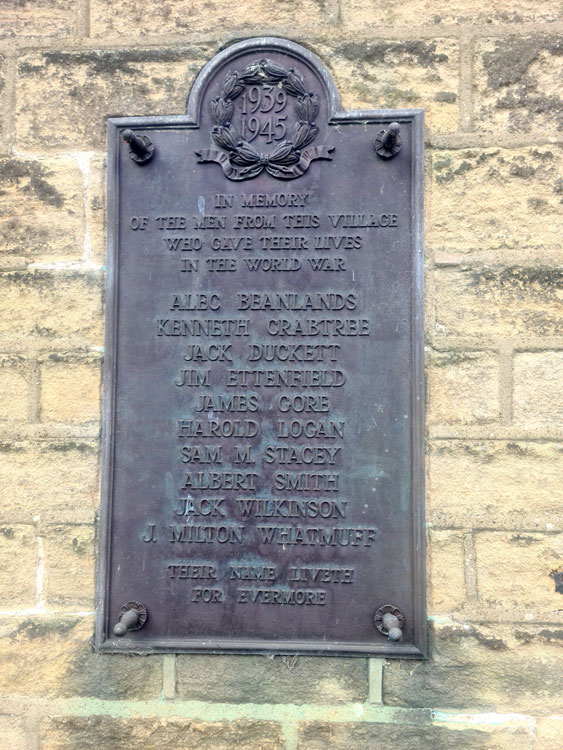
(380, 647)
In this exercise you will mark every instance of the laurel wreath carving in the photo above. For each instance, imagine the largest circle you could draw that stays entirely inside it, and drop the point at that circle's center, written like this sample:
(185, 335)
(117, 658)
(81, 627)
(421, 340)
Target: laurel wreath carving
(288, 159)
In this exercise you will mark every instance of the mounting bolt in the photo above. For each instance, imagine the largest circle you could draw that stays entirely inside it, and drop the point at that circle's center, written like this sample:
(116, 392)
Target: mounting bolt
(141, 148)
(389, 621)
(388, 142)
(132, 616)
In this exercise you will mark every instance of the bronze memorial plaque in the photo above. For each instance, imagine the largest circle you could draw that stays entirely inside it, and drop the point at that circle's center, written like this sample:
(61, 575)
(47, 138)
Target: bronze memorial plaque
(263, 419)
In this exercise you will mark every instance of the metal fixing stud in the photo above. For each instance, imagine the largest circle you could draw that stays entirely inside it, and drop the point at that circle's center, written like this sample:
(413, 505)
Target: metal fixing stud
(141, 148)
(389, 620)
(388, 142)
(132, 616)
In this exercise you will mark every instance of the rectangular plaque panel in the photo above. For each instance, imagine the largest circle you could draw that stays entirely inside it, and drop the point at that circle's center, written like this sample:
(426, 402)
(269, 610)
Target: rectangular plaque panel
(263, 413)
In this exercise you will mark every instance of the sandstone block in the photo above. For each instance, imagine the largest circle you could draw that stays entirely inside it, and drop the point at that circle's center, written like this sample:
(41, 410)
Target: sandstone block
(70, 390)
(13, 388)
(344, 736)
(57, 481)
(518, 571)
(257, 679)
(70, 566)
(52, 657)
(549, 734)
(538, 388)
(64, 98)
(497, 301)
(38, 199)
(498, 201)
(383, 73)
(37, 18)
(363, 14)
(485, 668)
(464, 388)
(510, 485)
(518, 84)
(18, 566)
(52, 304)
(96, 207)
(189, 16)
(94, 732)
(445, 572)
(12, 732)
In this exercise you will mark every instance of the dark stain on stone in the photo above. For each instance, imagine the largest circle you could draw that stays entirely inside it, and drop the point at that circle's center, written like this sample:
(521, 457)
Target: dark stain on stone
(110, 62)
(482, 454)
(50, 279)
(81, 546)
(537, 204)
(424, 53)
(508, 63)
(32, 175)
(41, 628)
(70, 445)
(445, 359)
(7, 532)
(508, 68)
(522, 170)
(454, 634)
(516, 450)
(557, 576)
(441, 162)
(517, 278)
(548, 635)
(6, 447)
(446, 96)
(524, 540)
(469, 160)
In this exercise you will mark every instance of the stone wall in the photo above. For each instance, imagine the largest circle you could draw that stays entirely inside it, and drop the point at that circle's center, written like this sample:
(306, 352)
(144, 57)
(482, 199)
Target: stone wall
(489, 77)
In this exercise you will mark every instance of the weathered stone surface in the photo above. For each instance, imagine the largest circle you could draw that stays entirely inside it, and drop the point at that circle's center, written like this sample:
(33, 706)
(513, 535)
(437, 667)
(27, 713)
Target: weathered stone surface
(481, 668)
(463, 387)
(13, 388)
(493, 301)
(48, 304)
(538, 388)
(12, 732)
(514, 485)
(70, 390)
(518, 84)
(96, 208)
(181, 16)
(70, 566)
(445, 572)
(344, 736)
(549, 735)
(2, 94)
(368, 14)
(52, 657)
(516, 572)
(94, 732)
(392, 73)
(37, 18)
(57, 481)
(506, 203)
(258, 679)
(37, 198)
(18, 564)
(64, 98)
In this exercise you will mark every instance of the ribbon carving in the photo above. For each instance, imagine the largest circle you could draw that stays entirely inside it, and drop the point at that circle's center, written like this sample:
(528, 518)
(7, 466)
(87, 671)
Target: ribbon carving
(239, 159)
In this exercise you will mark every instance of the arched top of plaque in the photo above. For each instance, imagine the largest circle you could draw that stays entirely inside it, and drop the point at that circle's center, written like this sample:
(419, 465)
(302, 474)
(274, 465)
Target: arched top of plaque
(266, 103)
